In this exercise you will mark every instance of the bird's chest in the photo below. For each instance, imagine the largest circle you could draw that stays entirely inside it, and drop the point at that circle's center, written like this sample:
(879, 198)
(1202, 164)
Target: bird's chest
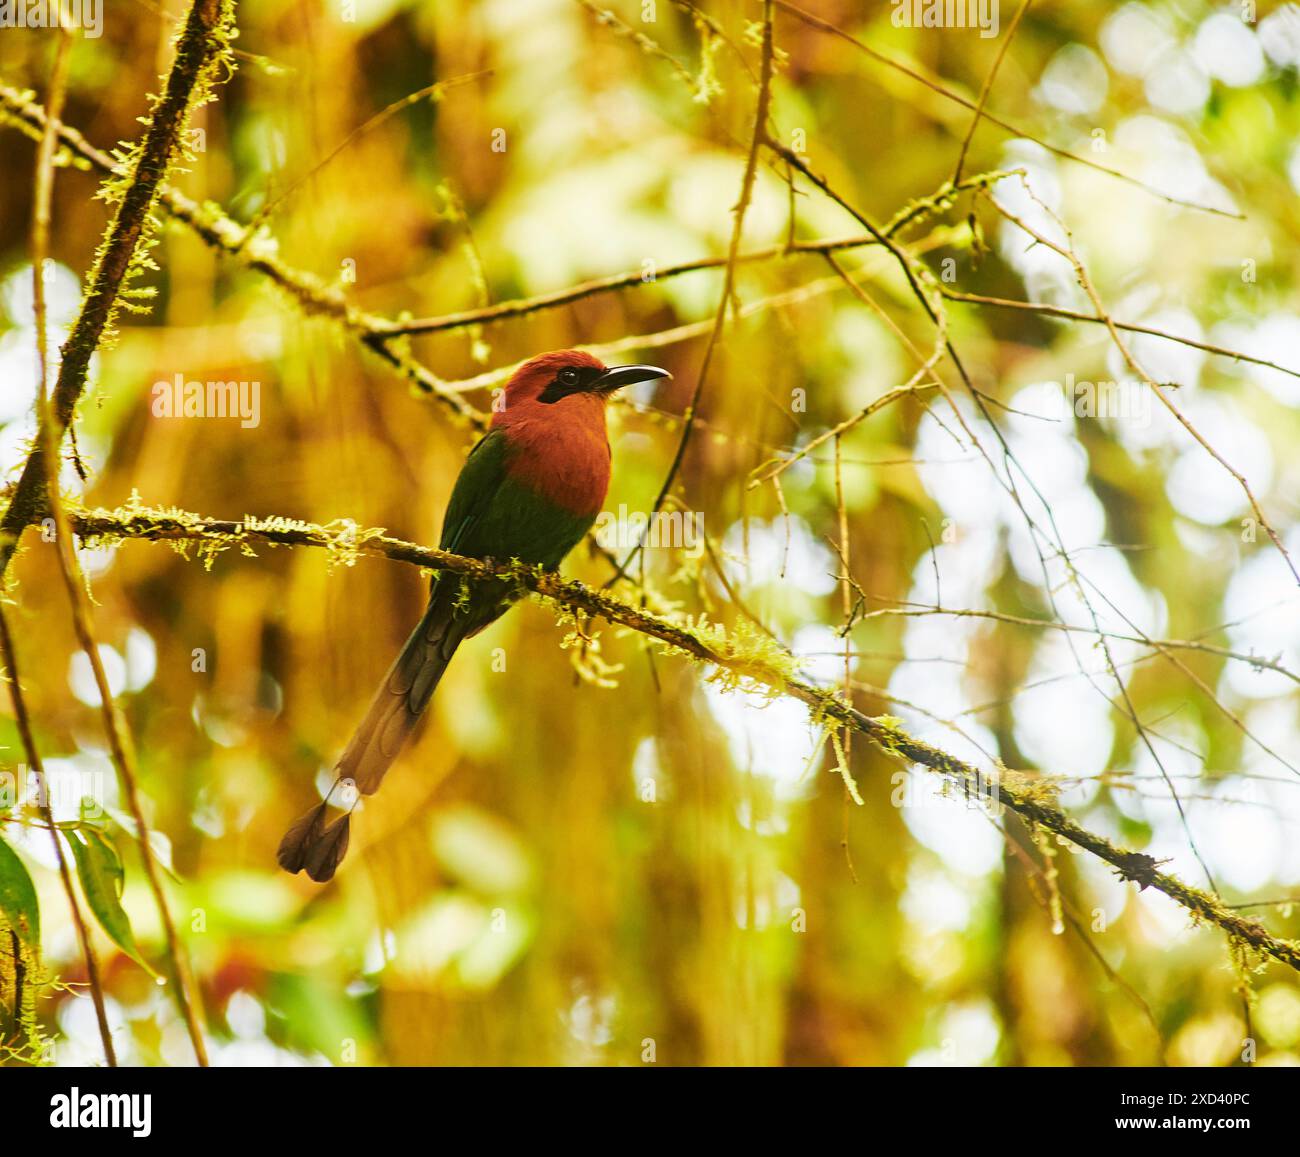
(567, 465)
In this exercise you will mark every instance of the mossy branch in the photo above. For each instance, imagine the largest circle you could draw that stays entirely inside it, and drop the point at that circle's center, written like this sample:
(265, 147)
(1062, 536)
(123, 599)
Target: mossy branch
(740, 659)
(202, 44)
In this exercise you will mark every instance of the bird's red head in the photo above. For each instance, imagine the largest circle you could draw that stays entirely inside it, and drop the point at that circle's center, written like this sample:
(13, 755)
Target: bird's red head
(566, 382)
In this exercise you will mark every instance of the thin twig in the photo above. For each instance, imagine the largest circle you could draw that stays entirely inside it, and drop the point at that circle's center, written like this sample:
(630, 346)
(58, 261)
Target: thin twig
(1078, 315)
(1081, 273)
(1006, 126)
(988, 87)
(42, 196)
(433, 91)
(1257, 661)
(725, 302)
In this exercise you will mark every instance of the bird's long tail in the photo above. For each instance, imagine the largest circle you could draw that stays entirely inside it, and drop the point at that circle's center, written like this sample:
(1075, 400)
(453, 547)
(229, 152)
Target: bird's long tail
(312, 845)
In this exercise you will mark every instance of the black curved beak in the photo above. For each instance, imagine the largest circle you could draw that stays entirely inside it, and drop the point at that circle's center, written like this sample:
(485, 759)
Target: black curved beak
(616, 377)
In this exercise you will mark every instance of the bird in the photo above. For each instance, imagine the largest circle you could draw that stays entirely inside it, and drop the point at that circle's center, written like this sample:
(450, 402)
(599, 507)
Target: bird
(529, 490)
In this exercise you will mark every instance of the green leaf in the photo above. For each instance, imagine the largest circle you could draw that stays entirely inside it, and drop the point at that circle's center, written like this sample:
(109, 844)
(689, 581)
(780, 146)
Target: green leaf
(100, 872)
(18, 903)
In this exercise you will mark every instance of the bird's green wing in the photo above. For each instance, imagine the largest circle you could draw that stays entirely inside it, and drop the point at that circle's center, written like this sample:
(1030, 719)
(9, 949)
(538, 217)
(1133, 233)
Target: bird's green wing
(480, 479)
(491, 515)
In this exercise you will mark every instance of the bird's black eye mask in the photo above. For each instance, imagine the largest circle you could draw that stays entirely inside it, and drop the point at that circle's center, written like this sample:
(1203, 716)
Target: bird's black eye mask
(570, 380)
(596, 380)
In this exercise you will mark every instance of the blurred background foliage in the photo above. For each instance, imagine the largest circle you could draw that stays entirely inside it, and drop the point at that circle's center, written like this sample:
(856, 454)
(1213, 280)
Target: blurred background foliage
(563, 873)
